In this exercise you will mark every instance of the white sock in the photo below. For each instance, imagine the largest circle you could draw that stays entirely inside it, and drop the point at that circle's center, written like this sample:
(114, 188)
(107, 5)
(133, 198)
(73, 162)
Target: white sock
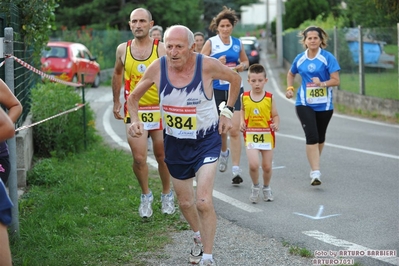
(235, 168)
(207, 256)
(266, 187)
(197, 234)
(225, 153)
(315, 172)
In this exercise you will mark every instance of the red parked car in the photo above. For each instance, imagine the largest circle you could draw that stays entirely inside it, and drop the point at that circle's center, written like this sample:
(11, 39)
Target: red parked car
(68, 61)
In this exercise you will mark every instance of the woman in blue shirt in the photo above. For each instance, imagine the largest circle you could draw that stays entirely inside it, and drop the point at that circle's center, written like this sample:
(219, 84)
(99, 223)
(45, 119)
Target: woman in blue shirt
(230, 51)
(319, 71)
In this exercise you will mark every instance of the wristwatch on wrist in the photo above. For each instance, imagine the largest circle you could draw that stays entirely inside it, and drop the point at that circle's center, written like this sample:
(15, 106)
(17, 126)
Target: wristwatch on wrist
(230, 108)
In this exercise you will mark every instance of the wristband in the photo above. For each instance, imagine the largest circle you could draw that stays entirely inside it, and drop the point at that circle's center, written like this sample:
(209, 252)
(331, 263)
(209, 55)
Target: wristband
(290, 88)
(325, 84)
(227, 113)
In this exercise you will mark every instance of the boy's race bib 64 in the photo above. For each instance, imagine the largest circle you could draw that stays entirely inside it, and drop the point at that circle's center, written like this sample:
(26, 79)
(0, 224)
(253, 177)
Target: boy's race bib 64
(180, 122)
(259, 138)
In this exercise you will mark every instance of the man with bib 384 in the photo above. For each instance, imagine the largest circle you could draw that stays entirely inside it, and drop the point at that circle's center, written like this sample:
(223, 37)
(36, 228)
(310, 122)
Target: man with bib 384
(192, 129)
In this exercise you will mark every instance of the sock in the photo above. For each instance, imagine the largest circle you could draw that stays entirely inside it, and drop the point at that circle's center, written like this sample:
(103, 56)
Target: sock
(256, 185)
(316, 172)
(235, 168)
(266, 187)
(224, 153)
(197, 234)
(207, 256)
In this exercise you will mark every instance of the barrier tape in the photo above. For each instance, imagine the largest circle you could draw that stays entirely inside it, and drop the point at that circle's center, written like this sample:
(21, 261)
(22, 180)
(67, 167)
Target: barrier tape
(50, 77)
(37, 71)
(78, 106)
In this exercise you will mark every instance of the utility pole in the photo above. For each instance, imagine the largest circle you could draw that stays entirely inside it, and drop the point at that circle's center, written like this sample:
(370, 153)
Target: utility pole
(279, 33)
(267, 20)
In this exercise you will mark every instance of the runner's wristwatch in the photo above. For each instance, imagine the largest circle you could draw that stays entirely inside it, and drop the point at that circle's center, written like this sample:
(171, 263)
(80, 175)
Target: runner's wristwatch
(230, 108)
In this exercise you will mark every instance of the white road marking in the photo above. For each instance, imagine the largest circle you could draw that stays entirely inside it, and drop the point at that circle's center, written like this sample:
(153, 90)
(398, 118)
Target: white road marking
(318, 215)
(332, 240)
(234, 202)
(344, 147)
(117, 139)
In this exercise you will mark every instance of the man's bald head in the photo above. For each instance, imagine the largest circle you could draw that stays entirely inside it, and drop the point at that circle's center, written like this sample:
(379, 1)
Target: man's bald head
(142, 9)
(180, 30)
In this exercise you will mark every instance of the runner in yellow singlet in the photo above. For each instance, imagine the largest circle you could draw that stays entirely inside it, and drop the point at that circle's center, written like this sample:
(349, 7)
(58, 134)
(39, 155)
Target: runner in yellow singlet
(259, 121)
(132, 59)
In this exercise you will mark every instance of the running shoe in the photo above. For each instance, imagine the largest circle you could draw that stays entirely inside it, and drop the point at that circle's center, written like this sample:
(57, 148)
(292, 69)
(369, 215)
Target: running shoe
(168, 203)
(236, 177)
(254, 197)
(267, 194)
(145, 209)
(223, 161)
(196, 252)
(207, 263)
(315, 176)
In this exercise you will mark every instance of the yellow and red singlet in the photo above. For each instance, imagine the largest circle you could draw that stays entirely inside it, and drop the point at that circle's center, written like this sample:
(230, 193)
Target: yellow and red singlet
(134, 71)
(258, 119)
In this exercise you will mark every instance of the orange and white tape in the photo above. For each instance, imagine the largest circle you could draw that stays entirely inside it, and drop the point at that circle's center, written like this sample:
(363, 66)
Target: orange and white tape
(78, 106)
(50, 77)
(41, 73)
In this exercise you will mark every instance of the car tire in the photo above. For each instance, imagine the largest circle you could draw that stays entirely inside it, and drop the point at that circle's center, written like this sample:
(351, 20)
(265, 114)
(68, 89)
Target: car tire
(76, 80)
(96, 82)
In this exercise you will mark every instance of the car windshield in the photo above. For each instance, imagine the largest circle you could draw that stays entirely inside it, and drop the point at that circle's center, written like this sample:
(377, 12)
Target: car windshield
(59, 52)
(249, 46)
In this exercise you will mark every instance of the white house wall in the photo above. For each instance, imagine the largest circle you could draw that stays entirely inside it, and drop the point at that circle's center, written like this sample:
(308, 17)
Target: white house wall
(256, 14)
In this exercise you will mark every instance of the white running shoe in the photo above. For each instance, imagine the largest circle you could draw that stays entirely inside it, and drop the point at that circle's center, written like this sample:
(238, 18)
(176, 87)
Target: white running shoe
(145, 209)
(207, 263)
(254, 197)
(237, 179)
(196, 251)
(267, 194)
(223, 161)
(168, 203)
(315, 178)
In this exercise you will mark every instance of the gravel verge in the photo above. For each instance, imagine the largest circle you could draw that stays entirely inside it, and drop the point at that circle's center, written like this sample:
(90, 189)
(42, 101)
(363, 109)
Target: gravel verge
(234, 245)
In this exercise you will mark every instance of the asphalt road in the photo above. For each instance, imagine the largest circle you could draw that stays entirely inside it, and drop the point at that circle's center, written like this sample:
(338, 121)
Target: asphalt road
(356, 209)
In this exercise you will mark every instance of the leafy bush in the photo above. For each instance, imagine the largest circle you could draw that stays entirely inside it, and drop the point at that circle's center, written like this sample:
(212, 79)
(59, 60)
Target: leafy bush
(44, 174)
(63, 134)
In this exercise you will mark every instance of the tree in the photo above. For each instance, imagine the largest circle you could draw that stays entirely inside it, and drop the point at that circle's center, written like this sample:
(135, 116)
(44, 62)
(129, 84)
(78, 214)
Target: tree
(335, 7)
(36, 21)
(385, 13)
(298, 11)
(98, 14)
(390, 8)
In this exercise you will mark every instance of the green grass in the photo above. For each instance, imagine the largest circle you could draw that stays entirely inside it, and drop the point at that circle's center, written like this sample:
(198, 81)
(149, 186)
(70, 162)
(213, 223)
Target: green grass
(393, 50)
(303, 252)
(382, 84)
(89, 215)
